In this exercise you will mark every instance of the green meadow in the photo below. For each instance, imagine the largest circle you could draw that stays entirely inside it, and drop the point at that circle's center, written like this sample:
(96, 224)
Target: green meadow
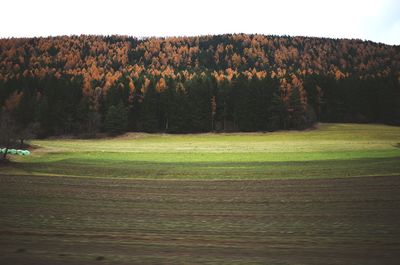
(330, 150)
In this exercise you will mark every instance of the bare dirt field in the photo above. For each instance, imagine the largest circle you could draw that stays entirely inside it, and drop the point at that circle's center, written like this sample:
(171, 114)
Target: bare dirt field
(64, 220)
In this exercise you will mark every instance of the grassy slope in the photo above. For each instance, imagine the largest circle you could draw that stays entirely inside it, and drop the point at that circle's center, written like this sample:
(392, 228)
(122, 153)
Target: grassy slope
(333, 150)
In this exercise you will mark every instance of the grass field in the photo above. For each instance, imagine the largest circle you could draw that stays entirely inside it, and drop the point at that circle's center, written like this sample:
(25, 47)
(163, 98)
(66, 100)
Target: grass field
(324, 196)
(337, 150)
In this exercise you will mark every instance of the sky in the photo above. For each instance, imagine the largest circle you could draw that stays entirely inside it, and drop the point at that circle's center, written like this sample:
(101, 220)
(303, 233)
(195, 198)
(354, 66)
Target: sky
(376, 20)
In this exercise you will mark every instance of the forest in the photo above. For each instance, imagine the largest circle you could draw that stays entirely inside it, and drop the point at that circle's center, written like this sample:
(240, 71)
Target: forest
(83, 85)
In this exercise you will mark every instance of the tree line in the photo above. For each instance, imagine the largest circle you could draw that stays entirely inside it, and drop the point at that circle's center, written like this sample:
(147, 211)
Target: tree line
(54, 106)
(83, 85)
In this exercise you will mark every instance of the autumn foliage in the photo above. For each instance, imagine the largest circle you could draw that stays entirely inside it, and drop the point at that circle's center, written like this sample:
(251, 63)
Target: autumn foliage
(183, 84)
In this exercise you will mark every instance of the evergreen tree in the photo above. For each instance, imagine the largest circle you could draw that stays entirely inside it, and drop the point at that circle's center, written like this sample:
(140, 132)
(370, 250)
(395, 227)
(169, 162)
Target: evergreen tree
(199, 98)
(178, 111)
(278, 116)
(149, 119)
(116, 119)
(296, 110)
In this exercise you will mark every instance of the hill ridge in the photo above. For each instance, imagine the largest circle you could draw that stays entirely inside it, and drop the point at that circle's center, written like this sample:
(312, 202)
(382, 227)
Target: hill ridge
(227, 82)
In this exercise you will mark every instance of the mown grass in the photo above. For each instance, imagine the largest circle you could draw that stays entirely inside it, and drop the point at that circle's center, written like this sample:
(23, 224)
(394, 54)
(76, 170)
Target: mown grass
(331, 150)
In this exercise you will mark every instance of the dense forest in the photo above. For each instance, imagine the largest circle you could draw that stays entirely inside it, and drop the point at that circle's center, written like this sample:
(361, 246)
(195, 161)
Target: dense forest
(235, 82)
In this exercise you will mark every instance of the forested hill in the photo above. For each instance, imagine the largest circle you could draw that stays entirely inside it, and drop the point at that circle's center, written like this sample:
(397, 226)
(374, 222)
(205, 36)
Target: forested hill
(239, 82)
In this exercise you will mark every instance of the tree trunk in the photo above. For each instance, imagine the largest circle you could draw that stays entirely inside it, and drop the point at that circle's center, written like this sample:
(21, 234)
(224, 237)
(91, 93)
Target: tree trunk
(7, 147)
(5, 154)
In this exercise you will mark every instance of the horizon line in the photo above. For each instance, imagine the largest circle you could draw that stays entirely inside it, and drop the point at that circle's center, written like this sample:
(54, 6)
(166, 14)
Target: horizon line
(192, 36)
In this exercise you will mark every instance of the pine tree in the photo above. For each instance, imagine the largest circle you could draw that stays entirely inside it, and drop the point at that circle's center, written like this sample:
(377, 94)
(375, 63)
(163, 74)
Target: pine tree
(278, 115)
(116, 119)
(296, 110)
(149, 112)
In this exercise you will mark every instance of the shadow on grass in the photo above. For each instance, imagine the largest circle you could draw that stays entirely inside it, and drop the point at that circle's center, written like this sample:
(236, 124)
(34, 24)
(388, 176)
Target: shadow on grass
(214, 170)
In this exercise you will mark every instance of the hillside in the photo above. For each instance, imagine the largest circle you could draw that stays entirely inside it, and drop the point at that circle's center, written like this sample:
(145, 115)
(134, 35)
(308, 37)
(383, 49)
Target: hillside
(84, 84)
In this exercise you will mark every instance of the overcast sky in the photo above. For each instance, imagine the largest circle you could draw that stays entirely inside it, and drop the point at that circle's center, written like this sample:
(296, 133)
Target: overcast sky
(376, 20)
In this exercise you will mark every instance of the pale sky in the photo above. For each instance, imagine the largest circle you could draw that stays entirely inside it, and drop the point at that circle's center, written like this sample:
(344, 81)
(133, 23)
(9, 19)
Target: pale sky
(376, 20)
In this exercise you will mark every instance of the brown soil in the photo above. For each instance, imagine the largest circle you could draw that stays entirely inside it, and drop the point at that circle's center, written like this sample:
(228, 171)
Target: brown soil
(57, 220)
